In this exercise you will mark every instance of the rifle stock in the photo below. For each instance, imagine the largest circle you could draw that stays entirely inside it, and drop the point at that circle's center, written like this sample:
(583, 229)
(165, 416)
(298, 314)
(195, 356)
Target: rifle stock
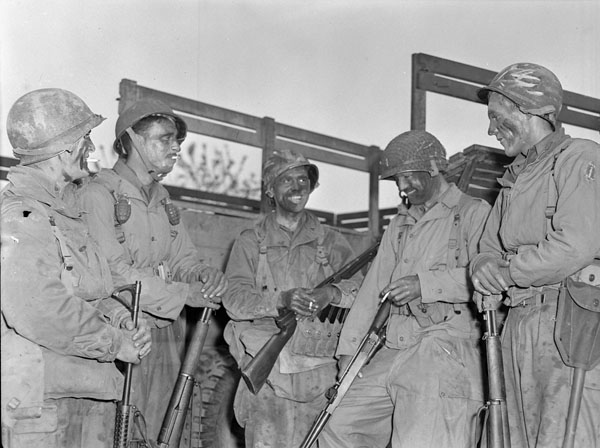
(172, 427)
(367, 348)
(256, 372)
(498, 431)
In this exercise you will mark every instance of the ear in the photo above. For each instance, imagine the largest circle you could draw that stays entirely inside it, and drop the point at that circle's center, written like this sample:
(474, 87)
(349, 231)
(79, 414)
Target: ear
(269, 193)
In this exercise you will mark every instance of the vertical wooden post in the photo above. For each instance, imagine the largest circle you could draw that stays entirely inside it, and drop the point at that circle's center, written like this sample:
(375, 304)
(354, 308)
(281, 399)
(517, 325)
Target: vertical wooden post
(373, 159)
(418, 99)
(268, 146)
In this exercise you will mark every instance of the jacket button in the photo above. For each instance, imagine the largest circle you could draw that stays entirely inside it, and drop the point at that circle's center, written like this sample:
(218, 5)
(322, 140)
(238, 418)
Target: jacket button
(439, 290)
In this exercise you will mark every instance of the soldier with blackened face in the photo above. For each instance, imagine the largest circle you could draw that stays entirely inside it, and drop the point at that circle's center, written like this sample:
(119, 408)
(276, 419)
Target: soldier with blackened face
(141, 233)
(274, 267)
(425, 386)
(540, 253)
(61, 329)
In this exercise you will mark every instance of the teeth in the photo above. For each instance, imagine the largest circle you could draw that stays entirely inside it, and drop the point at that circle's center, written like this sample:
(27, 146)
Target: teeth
(92, 160)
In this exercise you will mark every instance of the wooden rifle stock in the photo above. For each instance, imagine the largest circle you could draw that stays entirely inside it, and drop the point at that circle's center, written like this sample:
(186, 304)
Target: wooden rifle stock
(172, 427)
(125, 410)
(367, 348)
(498, 431)
(256, 372)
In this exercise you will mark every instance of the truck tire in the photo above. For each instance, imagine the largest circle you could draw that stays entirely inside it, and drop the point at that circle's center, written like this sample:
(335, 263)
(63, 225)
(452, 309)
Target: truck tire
(219, 377)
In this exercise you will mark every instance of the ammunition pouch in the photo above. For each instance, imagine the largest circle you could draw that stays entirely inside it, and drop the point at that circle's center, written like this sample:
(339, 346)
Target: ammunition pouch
(577, 330)
(319, 336)
(428, 314)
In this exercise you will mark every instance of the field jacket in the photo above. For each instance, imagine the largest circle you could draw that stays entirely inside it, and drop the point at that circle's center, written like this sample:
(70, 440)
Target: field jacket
(55, 309)
(423, 246)
(546, 219)
(138, 247)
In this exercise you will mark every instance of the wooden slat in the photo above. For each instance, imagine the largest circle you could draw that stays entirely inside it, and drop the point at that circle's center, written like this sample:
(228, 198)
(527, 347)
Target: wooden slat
(194, 107)
(327, 157)
(223, 132)
(455, 69)
(324, 141)
(576, 118)
(444, 86)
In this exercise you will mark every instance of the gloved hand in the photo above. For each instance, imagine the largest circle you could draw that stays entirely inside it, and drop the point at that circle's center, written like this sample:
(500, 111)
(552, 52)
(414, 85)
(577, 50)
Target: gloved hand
(198, 299)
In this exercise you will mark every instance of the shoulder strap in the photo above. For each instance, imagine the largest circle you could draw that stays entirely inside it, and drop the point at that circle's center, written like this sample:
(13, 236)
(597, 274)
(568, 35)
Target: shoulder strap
(66, 275)
(264, 277)
(552, 190)
(455, 233)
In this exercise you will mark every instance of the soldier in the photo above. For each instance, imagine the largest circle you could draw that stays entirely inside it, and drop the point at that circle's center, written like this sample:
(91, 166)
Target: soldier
(60, 332)
(276, 266)
(424, 387)
(131, 215)
(543, 230)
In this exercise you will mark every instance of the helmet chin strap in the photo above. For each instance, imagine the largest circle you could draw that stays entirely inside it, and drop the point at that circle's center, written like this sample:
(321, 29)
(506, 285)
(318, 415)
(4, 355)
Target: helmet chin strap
(149, 167)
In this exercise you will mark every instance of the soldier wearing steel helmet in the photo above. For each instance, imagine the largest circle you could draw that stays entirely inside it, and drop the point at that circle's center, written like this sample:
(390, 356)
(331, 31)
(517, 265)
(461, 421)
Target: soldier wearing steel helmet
(61, 331)
(425, 386)
(142, 235)
(274, 266)
(543, 232)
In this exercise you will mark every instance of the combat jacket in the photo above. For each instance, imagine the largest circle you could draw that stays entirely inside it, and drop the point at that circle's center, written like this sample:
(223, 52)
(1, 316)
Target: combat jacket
(53, 284)
(426, 247)
(293, 263)
(546, 219)
(152, 250)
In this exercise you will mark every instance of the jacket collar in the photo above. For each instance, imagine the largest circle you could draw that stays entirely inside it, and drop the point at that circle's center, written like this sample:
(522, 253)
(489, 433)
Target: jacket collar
(439, 209)
(271, 233)
(538, 152)
(33, 183)
(134, 188)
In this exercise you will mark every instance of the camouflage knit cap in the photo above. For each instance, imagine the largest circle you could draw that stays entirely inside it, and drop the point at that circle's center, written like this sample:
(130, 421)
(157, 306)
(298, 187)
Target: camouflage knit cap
(284, 160)
(413, 151)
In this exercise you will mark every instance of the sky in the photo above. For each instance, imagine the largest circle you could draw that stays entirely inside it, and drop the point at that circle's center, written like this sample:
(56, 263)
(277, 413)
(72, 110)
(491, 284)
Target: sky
(341, 68)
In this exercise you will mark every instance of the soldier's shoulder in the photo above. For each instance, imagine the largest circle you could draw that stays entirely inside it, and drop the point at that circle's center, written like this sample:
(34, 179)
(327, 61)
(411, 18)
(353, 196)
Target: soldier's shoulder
(21, 209)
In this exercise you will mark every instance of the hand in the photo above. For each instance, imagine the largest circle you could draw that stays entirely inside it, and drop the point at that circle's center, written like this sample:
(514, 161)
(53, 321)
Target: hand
(128, 351)
(215, 283)
(491, 275)
(142, 338)
(197, 299)
(404, 290)
(299, 300)
(321, 297)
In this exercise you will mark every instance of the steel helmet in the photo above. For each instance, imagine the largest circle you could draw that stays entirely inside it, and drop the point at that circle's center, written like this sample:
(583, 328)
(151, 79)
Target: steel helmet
(145, 108)
(281, 161)
(46, 122)
(533, 88)
(413, 151)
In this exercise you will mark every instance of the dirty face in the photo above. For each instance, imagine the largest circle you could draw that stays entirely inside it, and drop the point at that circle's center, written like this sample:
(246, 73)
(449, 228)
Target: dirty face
(160, 144)
(418, 186)
(291, 190)
(75, 160)
(509, 125)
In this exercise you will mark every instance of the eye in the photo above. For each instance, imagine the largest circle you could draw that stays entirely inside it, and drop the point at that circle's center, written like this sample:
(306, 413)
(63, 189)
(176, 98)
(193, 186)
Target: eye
(303, 180)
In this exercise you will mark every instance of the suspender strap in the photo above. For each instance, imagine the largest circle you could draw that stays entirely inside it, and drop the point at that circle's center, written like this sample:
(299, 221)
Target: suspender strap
(66, 275)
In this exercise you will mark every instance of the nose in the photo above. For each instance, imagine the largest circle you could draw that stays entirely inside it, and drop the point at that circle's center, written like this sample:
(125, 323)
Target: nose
(402, 183)
(176, 146)
(492, 128)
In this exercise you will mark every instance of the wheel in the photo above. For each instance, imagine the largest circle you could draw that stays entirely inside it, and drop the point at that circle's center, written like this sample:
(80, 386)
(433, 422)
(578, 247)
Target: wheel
(219, 377)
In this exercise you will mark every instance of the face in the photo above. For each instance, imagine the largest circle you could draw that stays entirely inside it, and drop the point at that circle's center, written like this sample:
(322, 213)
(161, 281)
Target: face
(161, 146)
(510, 126)
(418, 186)
(291, 190)
(75, 160)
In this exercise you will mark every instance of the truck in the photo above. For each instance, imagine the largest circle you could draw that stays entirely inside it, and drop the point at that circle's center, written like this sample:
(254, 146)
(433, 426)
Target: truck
(215, 220)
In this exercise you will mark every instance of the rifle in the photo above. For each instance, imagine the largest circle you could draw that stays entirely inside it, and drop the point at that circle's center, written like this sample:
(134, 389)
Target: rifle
(256, 372)
(498, 431)
(172, 426)
(372, 341)
(125, 410)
